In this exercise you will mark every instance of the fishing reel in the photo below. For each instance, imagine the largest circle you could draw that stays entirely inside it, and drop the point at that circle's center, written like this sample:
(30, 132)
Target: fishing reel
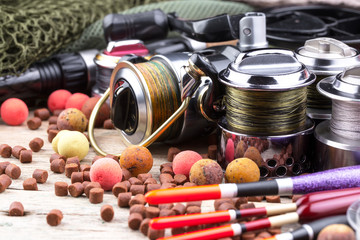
(165, 98)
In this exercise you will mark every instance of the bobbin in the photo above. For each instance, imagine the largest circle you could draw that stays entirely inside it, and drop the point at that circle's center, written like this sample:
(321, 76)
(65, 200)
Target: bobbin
(132, 80)
(267, 70)
(324, 57)
(333, 150)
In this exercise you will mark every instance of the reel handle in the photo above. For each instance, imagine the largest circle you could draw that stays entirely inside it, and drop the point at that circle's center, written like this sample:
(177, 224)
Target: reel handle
(152, 138)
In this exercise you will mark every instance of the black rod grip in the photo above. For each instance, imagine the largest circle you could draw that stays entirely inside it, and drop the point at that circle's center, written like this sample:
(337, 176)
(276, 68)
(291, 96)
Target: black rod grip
(150, 25)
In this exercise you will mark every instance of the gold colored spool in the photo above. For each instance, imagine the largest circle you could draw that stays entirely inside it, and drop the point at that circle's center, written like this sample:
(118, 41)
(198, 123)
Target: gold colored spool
(266, 112)
(315, 99)
(164, 94)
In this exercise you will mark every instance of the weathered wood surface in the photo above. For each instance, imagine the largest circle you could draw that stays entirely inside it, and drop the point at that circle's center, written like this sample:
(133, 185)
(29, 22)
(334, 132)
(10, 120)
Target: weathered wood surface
(81, 218)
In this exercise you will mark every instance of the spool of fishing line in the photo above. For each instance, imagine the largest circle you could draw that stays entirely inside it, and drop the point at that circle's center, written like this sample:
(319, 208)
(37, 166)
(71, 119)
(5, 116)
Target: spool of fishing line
(266, 112)
(324, 57)
(338, 139)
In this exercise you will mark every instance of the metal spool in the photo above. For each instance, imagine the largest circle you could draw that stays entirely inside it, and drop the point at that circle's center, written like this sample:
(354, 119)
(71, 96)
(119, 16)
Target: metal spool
(324, 57)
(338, 139)
(284, 146)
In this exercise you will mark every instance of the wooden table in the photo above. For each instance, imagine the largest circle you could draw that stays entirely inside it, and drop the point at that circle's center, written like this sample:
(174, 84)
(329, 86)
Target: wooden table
(81, 218)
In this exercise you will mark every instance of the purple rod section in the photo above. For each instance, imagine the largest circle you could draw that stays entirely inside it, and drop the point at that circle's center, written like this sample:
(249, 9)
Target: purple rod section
(337, 178)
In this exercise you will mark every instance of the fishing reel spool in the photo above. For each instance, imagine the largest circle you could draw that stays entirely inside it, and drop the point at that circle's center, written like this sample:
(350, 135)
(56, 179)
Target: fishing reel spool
(324, 57)
(338, 139)
(158, 100)
(271, 81)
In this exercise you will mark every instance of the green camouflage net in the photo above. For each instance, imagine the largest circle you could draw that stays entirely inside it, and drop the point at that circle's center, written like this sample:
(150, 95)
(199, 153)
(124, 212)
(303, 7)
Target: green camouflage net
(33, 29)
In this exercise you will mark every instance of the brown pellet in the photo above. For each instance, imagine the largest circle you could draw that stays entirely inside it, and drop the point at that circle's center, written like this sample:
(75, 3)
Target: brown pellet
(58, 165)
(77, 177)
(16, 209)
(42, 113)
(90, 186)
(25, 156)
(124, 199)
(248, 236)
(167, 164)
(167, 170)
(40, 175)
(150, 181)
(33, 123)
(172, 152)
(179, 209)
(193, 228)
(166, 213)
(137, 208)
(194, 203)
(138, 199)
(5, 151)
(5, 182)
(85, 183)
(116, 158)
(220, 201)
(119, 188)
(30, 184)
(152, 212)
(273, 199)
(137, 189)
(51, 127)
(166, 206)
(144, 176)
(52, 134)
(76, 189)
(180, 179)
(73, 160)
(226, 206)
(36, 144)
(212, 151)
(255, 198)
(126, 174)
(96, 195)
(16, 151)
(166, 178)
(53, 119)
(70, 168)
(13, 171)
(167, 185)
(135, 181)
(108, 124)
(240, 200)
(134, 221)
(247, 205)
(54, 217)
(61, 189)
(144, 226)
(3, 166)
(86, 176)
(56, 156)
(189, 184)
(193, 209)
(107, 213)
(84, 167)
(151, 187)
(154, 234)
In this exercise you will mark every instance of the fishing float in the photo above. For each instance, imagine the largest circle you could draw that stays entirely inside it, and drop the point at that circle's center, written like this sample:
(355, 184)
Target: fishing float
(305, 213)
(228, 215)
(338, 178)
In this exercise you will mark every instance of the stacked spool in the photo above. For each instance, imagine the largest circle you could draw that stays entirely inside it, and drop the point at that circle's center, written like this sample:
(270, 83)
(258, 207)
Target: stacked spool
(324, 57)
(338, 139)
(266, 112)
